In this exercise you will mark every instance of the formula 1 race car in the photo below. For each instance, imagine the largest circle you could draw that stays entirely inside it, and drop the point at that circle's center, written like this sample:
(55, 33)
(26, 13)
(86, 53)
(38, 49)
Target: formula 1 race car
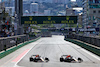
(37, 58)
(69, 58)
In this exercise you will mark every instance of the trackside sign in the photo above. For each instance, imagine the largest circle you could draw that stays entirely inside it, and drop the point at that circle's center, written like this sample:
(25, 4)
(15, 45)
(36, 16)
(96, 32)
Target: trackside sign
(49, 19)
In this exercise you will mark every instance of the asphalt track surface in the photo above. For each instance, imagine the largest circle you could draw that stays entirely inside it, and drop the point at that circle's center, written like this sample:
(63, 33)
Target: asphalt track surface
(51, 47)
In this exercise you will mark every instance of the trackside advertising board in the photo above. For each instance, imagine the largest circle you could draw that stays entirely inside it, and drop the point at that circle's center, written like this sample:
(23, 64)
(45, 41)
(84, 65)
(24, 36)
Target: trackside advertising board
(48, 19)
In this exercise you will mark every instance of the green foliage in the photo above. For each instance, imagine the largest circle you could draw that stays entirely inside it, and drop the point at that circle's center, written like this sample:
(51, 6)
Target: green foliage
(45, 25)
(34, 27)
(74, 25)
(63, 26)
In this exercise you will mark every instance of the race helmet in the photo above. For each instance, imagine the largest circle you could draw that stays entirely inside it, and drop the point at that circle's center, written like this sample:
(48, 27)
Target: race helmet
(37, 55)
(68, 56)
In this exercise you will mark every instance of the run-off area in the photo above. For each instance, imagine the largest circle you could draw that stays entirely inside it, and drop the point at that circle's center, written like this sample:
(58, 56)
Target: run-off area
(55, 46)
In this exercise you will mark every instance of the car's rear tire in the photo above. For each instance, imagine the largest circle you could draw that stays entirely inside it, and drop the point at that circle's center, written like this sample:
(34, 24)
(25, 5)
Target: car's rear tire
(47, 59)
(80, 60)
(61, 59)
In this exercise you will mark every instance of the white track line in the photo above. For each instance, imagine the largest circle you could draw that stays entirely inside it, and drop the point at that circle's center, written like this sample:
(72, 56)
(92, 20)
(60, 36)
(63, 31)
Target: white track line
(86, 51)
(25, 55)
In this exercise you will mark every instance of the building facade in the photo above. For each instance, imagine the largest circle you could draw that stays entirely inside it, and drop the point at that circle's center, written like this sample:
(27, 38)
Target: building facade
(79, 3)
(61, 1)
(47, 12)
(34, 8)
(91, 10)
(80, 19)
(51, 1)
(70, 12)
(42, 1)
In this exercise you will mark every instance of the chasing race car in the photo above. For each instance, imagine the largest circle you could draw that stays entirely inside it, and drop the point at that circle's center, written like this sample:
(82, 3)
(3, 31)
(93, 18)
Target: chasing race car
(37, 58)
(69, 58)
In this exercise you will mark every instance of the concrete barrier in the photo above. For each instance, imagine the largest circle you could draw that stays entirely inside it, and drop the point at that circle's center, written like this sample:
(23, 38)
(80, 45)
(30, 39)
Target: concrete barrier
(91, 40)
(11, 41)
(8, 42)
(3, 54)
(87, 47)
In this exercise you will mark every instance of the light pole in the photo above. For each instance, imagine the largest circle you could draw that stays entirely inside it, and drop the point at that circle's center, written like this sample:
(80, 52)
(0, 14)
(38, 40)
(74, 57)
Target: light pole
(19, 12)
(77, 32)
(15, 24)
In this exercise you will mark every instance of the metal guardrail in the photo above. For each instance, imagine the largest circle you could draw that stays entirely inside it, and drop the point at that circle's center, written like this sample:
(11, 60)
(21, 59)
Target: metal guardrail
(3, 54)
(91, 40)
(87, 47)
(8, 42)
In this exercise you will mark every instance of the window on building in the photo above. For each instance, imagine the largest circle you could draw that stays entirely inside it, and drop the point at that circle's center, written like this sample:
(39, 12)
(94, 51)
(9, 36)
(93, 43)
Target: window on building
(93, 18)
(96, 1)
(89, 17)
(99, 11)
(94, 11)
(94, 6)
(90, 1)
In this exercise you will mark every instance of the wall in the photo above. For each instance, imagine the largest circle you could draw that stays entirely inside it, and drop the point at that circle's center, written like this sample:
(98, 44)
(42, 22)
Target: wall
(91, 40)
(14, 40)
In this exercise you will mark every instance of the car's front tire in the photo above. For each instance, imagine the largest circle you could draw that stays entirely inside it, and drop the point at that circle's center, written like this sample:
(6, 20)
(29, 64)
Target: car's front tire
(31, 59)
(61, 59)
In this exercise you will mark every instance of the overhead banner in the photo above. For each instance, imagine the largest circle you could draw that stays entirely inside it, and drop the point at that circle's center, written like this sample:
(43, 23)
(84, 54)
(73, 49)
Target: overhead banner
(49, 19)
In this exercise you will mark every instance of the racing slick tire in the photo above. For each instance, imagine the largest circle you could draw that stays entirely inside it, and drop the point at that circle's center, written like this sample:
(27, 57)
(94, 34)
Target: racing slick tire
(31, 59)
(47, 59)
(80, 60)
(61, 59)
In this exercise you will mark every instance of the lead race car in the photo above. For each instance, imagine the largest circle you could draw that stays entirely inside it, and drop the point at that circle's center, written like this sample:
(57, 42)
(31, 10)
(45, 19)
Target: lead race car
(69, 58)
(37, 58)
